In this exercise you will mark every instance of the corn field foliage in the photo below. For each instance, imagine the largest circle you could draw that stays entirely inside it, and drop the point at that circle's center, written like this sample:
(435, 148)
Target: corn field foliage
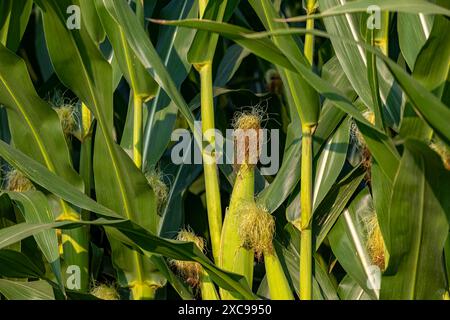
(93, 205)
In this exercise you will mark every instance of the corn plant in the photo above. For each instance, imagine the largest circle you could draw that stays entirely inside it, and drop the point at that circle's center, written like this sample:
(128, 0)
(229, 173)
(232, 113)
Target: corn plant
(119, 179)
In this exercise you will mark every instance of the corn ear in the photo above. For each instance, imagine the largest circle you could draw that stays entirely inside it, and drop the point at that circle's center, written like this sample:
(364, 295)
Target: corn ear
(208, 290)
(278, 284)
(233, 256)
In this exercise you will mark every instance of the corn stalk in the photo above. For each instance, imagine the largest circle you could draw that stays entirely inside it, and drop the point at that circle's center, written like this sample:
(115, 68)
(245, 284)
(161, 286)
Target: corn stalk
(202, 60)
(306, 196)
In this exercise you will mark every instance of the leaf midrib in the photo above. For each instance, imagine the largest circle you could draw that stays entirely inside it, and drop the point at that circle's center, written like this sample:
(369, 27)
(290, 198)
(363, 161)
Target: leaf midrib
(131, 70)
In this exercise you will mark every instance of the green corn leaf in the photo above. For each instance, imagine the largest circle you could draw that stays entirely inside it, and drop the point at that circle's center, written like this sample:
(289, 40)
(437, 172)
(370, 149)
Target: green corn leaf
(14, 16)
(418, 226)
(431, 70)
(44, 140)
(329, 211)
(230, 63)
(307, 103)
(17, 265)
(408, 6)
(349, 289)
(134, 72)
(267, 50)
(35, 290)
(413, 32)
(289, 174)
(92, 21)
(204, 45)
(349, 236)
(122, 186)
(431, 67)
(173, 213)
(133, 235)
(51, 182)
(330, 162)
(323, 288)
(172, 47)
(36, 130)
(420, 97)
(35, 209)
(55, 184)
(8, 216)
(146, 53)
(374, 83)
(261, 47)
(355, 63)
